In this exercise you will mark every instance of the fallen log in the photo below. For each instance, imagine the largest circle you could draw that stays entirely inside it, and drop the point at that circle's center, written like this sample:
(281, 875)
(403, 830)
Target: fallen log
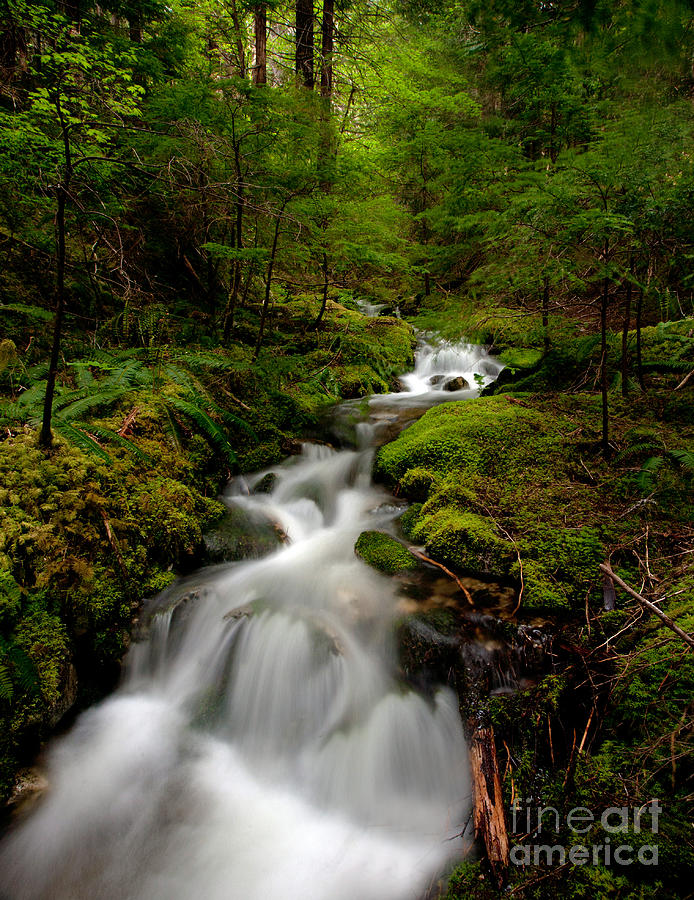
(488, 802)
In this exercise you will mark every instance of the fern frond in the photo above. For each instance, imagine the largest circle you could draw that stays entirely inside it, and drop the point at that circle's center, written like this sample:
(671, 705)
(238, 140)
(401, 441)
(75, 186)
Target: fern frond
(79, 438)
(6, 686)
(683, 458)
(647, 477)
(207, 426)
(107, 434)
(24, 670)
(171, 427)
(92, 400)
(642, 447)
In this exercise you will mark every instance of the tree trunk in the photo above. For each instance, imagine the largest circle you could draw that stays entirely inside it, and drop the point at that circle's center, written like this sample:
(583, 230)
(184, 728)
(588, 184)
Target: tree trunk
(238, 244)
(488, 802)
(260, 26)
(324, 302)
(135, 28)
(240, 52)
(304, 43)
(625, 339)
(603, 366)
(327, 32)
(46, 435)
(545, 314)
(268, 283)
(639, 364)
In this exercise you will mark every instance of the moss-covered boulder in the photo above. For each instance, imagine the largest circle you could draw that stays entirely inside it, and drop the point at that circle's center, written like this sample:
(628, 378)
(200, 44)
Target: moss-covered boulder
(499, 496)
(384, 553)
(465, 540)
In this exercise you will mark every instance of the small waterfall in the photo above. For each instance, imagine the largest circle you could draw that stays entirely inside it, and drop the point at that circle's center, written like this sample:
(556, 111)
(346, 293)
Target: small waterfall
(262, 744)
(448, 371)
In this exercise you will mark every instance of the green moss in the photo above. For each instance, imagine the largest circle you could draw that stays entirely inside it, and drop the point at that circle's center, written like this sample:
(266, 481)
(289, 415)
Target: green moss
(417, 483)
(383, 552)
(464, 540)
(409, 519)
(521, 358)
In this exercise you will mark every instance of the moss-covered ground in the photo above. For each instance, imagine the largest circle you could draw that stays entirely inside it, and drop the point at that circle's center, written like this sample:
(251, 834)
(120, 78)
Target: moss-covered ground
(514, 484)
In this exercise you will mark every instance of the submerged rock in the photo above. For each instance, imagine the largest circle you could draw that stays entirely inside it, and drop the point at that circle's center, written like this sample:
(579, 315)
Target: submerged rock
(240, 536)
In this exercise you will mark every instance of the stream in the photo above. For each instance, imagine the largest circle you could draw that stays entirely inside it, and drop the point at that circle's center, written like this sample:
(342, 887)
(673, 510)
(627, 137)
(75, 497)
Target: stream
(264, 742)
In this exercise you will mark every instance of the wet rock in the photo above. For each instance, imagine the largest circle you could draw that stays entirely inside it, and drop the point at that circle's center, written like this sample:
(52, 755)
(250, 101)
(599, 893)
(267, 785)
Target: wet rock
(29, 785)
(240, 536)
(267, 484)
(428, 647)
(68, 696)
(436, 379)
(456, 384)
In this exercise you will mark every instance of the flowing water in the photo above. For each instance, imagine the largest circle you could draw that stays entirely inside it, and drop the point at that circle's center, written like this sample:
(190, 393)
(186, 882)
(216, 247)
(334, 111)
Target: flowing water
(262, 744)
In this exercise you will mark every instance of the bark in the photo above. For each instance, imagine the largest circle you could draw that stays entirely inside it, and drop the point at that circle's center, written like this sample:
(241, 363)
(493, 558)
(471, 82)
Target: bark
(240, 52)
(135, 28)
(327, 34)
(639, 364)
(545, 313)
(625, 340)
(324, 301)
(604, 299)
(238, 244)
(260, 27)
(488, 802)
(304, 43)
(46, 435)
(268, 282)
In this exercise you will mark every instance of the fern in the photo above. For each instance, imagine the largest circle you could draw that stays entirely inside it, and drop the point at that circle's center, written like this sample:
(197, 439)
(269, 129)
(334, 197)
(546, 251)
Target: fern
(6, 685)
(683, 458)
(16, 670)
(79, 438)
(209, 428)
(642, 447)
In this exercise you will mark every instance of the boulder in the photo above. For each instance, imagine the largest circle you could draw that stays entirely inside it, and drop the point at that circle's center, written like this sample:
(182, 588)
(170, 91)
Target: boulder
(456, 384)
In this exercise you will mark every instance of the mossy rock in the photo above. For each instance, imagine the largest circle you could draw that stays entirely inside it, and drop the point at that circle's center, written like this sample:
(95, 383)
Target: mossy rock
(239, 536)
(384, 553)
(417, 483)
(521, 358)
(408, 520)
(466, 541)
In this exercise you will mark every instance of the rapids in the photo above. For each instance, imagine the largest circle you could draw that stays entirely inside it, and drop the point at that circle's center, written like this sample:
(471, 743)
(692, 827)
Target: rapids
(261, 744)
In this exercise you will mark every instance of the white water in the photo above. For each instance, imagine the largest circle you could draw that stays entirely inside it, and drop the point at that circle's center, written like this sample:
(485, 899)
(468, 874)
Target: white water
(261, 745)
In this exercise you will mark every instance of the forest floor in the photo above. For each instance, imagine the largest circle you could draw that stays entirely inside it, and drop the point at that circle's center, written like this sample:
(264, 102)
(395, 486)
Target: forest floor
(515, 486)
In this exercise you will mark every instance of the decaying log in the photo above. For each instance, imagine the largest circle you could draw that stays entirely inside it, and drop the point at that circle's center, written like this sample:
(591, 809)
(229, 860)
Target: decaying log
(488, 802)
(651, 607)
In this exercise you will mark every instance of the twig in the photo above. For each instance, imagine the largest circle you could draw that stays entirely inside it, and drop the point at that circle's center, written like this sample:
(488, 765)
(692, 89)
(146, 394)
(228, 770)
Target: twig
(114, 544)
(128, 422)
(651, 607)
(420, 555)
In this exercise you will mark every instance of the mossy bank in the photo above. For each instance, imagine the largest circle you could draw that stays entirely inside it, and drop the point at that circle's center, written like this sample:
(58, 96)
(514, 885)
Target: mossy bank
(144, 442)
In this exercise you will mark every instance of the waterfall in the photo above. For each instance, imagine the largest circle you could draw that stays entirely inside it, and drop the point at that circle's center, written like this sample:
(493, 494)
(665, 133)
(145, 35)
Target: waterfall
(261, 744)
